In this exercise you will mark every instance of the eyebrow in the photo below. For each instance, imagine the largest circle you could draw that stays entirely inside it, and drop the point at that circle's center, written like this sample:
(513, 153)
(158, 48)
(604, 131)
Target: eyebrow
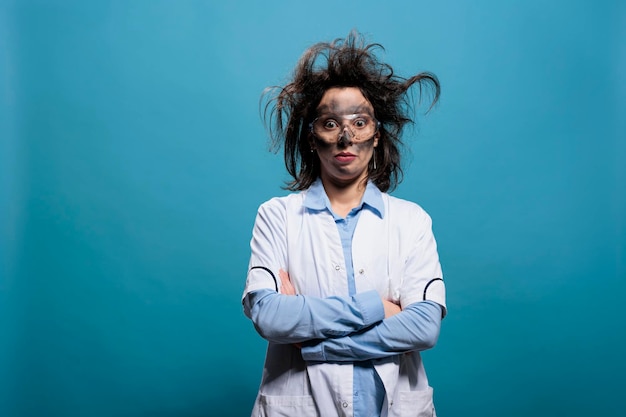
(360, 109)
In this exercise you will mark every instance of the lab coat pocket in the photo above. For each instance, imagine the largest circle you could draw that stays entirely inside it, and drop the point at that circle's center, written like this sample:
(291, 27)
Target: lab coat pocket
(286, 406)
(413, 404)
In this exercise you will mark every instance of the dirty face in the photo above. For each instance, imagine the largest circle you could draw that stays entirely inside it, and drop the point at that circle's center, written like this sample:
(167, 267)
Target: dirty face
(344, 135)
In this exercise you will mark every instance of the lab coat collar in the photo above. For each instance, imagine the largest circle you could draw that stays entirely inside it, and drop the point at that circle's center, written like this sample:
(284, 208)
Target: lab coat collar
(316, 198)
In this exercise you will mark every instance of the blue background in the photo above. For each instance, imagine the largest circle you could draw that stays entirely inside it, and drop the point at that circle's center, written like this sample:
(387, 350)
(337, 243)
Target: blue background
(133, 159)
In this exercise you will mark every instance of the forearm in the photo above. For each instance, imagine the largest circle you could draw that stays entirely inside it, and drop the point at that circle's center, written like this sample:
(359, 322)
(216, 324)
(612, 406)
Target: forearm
(416, 328)
(293, 319)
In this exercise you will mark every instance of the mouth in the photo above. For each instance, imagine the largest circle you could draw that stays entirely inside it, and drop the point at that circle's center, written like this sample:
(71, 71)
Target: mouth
(345, 157)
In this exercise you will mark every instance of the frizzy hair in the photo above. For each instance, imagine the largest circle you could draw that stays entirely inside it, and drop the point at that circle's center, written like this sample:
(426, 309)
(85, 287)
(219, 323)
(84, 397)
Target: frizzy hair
(348, 62)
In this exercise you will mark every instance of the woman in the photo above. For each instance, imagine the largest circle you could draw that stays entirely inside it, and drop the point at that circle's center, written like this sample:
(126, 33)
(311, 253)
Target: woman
(344, 280)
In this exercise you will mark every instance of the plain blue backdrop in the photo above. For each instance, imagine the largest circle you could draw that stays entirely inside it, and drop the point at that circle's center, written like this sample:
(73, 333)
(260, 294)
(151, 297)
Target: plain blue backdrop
(133, 159)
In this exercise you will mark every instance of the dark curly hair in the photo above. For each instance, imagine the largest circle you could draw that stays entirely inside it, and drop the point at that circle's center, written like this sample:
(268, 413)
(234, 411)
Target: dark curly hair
(348, 62)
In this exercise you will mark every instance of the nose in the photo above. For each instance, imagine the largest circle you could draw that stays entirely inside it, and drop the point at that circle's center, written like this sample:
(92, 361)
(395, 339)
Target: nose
(346, 137)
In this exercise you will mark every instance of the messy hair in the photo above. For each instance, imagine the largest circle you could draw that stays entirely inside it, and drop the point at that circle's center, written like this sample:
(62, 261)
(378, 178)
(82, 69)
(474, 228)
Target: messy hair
(348, 62)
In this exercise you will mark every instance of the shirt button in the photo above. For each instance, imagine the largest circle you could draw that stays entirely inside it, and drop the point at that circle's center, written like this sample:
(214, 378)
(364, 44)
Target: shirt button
(345, 404)
(337, 267)
(361, 271)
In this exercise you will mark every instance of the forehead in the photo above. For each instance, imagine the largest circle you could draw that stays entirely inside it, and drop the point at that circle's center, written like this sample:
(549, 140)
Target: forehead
(344, 100)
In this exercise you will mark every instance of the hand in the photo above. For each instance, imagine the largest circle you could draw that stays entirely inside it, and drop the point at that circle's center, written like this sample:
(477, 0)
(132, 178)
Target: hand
(391, 309)
(286, 286)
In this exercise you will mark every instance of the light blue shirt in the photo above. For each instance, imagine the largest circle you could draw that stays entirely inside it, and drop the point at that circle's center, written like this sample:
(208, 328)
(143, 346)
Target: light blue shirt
(369, 391)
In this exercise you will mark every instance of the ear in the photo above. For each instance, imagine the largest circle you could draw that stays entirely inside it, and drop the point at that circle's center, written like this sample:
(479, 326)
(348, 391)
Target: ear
(376, 137)
(311, 141)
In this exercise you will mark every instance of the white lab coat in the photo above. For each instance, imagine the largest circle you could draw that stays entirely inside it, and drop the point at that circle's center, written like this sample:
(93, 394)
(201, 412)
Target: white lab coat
(395, 255)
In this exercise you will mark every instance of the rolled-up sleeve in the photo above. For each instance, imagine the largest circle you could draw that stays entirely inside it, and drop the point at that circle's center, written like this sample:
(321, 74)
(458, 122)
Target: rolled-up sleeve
(293, 319)
(414, 329)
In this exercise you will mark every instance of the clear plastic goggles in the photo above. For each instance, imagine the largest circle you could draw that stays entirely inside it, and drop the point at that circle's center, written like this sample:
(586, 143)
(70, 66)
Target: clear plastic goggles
(354, 127)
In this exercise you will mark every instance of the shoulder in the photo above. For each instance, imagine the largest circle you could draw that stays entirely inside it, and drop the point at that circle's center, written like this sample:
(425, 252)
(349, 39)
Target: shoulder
(398, 207)
(407, 217)
(282, 204)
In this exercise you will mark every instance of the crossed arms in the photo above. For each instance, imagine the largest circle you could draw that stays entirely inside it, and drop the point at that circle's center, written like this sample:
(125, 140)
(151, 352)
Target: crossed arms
(342, 329)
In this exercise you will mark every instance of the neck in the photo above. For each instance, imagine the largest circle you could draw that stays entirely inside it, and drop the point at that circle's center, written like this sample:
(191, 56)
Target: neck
(344, 197)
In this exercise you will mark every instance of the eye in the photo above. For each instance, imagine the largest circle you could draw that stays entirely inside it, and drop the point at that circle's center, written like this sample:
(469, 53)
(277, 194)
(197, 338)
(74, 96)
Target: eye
(330, 124)
(360, 123)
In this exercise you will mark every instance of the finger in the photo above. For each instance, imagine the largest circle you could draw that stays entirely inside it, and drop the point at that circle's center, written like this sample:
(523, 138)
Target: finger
(284, 278)
(286, 286)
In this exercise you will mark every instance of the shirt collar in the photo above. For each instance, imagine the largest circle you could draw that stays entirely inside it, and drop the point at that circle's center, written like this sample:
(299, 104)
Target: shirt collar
(316, 198)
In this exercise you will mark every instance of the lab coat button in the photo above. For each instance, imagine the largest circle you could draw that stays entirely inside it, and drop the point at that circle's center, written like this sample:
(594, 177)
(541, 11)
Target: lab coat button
(361, 271)
(337, 267)
(345, 404)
